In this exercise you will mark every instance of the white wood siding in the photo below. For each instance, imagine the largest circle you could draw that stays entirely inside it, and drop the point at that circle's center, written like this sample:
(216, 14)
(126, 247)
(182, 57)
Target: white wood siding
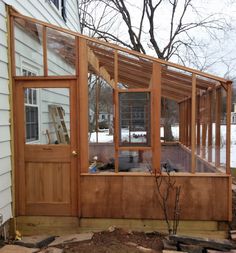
(43, 10)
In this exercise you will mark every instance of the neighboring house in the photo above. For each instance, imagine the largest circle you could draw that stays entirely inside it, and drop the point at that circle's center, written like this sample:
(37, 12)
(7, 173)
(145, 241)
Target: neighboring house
(40, 128)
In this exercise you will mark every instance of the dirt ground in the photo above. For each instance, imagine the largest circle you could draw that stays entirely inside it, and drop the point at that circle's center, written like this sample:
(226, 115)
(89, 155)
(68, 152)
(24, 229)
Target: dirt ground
(119, 241)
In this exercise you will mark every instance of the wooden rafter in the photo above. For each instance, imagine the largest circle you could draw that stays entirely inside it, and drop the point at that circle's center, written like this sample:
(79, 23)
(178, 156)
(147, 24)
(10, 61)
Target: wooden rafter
(101, 71)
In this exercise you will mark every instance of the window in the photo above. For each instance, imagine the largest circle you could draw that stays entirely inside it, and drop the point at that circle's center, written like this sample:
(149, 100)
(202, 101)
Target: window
(56, 3)
(31, 115)
(61, 7)
(134, 118)
(31, 110)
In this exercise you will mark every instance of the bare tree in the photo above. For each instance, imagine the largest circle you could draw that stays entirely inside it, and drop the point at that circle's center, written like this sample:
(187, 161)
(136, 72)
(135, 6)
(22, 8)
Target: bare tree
(141, 27)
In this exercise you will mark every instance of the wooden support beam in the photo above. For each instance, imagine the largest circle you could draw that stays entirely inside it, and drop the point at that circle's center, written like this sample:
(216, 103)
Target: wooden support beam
(45, 58)
(101, 71)
(117, 113)
(204, 127)
(198, 125)
(83, 105)
(180, 122)
(209, 122)
(156, 115)
(189, 122)
(193, 125)
(228, 126)
(217, 127)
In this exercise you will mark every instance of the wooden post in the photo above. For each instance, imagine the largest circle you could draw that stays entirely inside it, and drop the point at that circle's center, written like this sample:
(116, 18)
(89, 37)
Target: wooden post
(116, 112)
(228, 126)
(217, 127)
(185, 123)
(180, 122)
(189, 122)
(45, 60)
(204, 126)
(209, 112)
(156, 115)
(11, 56)
(193, 125)
(198, 125)
(83, 105)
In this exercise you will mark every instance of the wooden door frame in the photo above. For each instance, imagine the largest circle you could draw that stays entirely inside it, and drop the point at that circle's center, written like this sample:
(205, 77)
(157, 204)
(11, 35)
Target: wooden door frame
(19, 137)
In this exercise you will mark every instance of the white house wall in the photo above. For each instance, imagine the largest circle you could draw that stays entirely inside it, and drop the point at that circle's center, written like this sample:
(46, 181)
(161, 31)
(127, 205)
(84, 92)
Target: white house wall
(43, 10)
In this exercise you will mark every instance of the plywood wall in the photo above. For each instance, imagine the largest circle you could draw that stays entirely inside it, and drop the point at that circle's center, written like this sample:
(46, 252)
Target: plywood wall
(136, 197)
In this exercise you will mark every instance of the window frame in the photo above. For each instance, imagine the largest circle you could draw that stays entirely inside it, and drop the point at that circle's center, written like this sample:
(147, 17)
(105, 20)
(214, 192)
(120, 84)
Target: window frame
(148, 125)
(30, 69)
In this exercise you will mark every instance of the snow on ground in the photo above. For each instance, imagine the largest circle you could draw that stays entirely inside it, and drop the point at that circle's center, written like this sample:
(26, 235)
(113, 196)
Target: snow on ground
(104, 137)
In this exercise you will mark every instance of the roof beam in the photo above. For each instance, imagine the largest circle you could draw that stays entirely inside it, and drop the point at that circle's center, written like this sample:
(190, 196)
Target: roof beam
(101, 71)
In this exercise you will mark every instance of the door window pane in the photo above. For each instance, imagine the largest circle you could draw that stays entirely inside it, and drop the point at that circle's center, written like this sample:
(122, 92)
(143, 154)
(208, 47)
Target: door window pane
(47, 116)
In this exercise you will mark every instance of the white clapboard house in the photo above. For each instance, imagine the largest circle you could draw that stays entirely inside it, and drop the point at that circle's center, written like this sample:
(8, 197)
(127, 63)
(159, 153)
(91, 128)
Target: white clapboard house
(39, 103)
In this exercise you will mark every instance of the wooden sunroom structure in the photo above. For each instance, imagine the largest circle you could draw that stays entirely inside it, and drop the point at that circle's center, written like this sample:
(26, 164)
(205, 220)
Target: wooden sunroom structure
(85, 195)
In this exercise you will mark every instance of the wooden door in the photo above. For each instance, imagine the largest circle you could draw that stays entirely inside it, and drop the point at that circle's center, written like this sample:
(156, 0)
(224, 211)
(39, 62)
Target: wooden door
(46, 174)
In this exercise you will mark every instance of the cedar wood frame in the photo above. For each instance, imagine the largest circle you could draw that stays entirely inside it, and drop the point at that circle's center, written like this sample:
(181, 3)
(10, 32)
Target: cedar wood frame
(189, 90)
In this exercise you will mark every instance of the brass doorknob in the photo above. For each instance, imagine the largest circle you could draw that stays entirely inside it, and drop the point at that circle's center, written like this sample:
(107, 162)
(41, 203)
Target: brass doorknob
(74, 153)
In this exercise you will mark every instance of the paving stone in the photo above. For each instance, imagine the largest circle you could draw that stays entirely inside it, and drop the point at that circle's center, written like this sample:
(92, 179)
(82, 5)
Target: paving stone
(71, 238)
(51, 250)
(173, 251)
(17, 249)
(191, 248)
(222, 245)
(148, 250)
(233, 236)
(36, 241)
(217, 251)
(169, 245)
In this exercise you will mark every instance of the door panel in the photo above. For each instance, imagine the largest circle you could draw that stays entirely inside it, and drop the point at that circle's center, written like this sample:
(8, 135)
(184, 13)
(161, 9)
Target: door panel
(47, 147)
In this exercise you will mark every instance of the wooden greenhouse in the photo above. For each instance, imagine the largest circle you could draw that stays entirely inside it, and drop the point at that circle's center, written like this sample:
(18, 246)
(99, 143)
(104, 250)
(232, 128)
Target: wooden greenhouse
(89, 130)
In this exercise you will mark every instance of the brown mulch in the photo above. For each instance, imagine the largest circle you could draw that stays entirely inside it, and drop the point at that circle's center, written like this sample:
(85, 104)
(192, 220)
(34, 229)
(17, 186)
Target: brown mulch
(119, 241)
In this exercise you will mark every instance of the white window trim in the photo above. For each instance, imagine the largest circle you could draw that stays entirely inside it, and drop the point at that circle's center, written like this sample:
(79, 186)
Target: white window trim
(33, 69)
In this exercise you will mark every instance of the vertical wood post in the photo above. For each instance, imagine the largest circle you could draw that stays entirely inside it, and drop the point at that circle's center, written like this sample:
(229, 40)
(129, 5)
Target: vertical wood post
(228, 126)
(45, 60)
(209, 112)
(116, 112)
(156, 115)
(217, 127)
(193, 124)
(189, 122)
(198, 125)
(204, 126)
(185, 123)
(180, 122)
(83, 105)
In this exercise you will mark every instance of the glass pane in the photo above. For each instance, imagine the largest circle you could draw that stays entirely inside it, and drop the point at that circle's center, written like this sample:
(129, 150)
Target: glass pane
(47, 116)
(133, 72)
(28, 48)
(175, 158)
(134, 118)
(135, 161)
(60, 53)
